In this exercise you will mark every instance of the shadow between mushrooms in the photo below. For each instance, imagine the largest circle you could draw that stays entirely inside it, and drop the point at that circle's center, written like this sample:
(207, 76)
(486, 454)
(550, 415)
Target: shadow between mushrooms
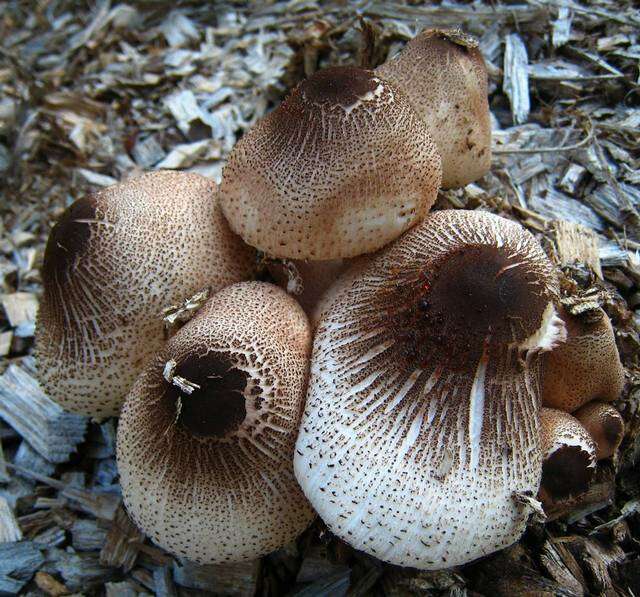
(420, 432)
(206, 436)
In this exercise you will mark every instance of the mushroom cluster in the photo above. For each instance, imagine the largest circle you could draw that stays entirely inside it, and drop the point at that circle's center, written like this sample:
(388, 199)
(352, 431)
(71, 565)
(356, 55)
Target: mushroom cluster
(423, 390)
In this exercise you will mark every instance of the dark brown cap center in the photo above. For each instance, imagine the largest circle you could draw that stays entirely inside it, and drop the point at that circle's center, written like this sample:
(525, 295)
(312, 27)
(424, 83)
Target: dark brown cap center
(339, 85)
(217, 407)
(566, 473)
(478, 296)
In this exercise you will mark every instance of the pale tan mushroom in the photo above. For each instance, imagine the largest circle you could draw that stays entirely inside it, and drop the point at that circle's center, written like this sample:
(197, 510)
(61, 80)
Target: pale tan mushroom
(206, 436)
(569, 457)
(113, 261)
(341, 168)
(586, 367)
(605, 425)
(419, 442)
(445, 78)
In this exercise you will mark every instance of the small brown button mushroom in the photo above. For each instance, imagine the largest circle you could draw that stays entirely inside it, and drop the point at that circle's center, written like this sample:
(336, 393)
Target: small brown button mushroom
(584, 368)
(569, 457)
(113, 261)
(341, 168)
(206, 436)
(445, 78)
(420, 432)
(605, 425)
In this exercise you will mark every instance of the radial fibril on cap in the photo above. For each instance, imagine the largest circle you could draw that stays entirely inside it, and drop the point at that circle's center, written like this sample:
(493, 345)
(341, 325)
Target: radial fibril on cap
(206, 436)
(420, 428)
(586, 367)
(569, 456)
(445, 80)
(341, 168)
(605, 425)
(113, 261)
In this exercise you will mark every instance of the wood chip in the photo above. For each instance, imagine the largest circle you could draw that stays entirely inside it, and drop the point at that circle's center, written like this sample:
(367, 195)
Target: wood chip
(19, 307)
(50, 431)
(516, 78)
(229, 579)
(576, 244)
(9, 529)
(121, 546)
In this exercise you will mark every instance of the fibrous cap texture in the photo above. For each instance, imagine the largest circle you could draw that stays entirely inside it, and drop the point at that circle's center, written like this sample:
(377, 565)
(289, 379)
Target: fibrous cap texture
(605, 425)
(585, 367)
(341, 168)
(420, 428)
(208, 474)
(569, 456)
(445, 79)
(113, 261)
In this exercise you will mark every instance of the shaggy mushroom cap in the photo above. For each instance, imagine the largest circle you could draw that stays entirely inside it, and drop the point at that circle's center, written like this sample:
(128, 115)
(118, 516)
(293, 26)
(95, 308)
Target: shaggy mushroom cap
(419, 434)
(206, 436)
(569, 457)
(341, 168)
(605, 425)
(445, 78)
(586, 367)
(113, 261)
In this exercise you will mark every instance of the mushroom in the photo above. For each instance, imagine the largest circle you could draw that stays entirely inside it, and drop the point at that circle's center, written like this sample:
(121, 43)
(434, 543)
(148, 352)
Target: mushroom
(445, 78)
(605, 425)
(419, 441)
(112, 262)
(206, 436)
(569, 457)
(341, 168)
(586, 367)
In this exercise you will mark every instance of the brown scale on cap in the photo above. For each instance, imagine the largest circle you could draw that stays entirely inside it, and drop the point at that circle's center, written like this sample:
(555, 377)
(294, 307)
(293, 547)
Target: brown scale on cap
(586, 367)
(605, 425)
(112, 263)
(208, 475)
(341, 168)
(569, 457)
(445, 79)
(420, 427)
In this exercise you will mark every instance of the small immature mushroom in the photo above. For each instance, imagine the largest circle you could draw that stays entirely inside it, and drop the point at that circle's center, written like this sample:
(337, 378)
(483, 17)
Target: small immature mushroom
(419, 438)
(206, 436)
(586, 367)
(341, 168)
(569, 457)
(445, 78)
(605, 425)
(113, 261)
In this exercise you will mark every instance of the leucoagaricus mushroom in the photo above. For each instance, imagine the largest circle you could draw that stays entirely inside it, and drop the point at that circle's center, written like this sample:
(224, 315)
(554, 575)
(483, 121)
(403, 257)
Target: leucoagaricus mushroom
(206, 436)
(445, 78)
(569, 457)
(342, 167)
(605, 425)
(419, 443)
(586, 367)
(113, 261)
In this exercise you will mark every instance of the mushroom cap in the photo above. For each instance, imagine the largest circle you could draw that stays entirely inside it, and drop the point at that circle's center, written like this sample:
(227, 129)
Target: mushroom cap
(420, 428)
(445, 78)
(586, 367)
(208, 475)
(341, 168)
(605, 425)
(113, 261)
(569, 456)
